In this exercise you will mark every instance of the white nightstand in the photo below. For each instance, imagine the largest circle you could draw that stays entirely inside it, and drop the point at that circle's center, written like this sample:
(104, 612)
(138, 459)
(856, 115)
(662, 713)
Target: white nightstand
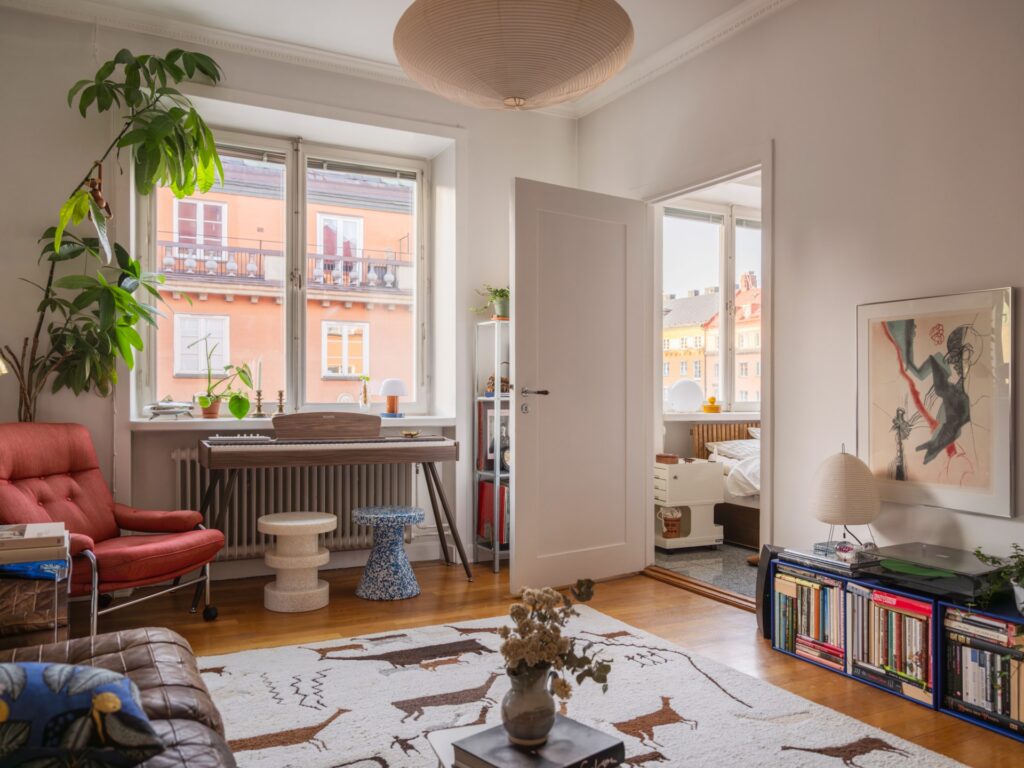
(693, 488)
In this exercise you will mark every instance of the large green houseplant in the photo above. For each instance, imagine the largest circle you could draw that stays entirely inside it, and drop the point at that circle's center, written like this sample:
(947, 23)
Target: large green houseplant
(87, 316)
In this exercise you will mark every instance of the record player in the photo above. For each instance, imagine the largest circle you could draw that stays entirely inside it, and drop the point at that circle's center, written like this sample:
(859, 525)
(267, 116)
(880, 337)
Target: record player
(940, 571)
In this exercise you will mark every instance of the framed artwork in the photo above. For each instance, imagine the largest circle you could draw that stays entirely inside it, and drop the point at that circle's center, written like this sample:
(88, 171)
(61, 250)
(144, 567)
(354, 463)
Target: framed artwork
(485, 431)
(935, 400)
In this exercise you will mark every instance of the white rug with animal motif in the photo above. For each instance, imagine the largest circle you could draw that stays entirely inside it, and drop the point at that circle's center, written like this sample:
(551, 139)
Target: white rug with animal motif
(365, 702)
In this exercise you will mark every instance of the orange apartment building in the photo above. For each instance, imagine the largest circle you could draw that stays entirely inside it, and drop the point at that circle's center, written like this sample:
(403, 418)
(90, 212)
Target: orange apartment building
(690, 341)
(222, 255)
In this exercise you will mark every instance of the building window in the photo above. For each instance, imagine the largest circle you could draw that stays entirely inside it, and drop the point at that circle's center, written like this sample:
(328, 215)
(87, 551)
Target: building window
(744, 369)
(196, 336)
(346, 350)
(698, 342)
(665, 344)
(339, 264)
(684, 342)
(718, 370)
(741, 340)
(744, 396)
(757, 367)
(664, 370)
(696, 369)
(682, 368)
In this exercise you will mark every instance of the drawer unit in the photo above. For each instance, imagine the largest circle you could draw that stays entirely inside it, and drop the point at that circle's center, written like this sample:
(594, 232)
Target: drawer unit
(684, 484)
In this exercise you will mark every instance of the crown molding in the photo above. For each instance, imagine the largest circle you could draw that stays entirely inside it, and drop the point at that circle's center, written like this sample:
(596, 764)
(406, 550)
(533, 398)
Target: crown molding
(705, 37)
(250, 45)
(632, 77)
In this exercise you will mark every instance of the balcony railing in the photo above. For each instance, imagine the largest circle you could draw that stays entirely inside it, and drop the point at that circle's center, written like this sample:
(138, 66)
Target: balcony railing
(357, 271)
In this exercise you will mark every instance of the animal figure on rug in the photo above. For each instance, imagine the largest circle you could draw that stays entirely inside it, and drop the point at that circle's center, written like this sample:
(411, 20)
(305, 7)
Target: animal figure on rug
(430, 666)
(375, 759)
(642, 727)
(646, 757)
(289, 738)
(473, 630)
(414, 708)
(410, 657)
(849, 753)
(212, 671)
(406, 745)
(324, 652)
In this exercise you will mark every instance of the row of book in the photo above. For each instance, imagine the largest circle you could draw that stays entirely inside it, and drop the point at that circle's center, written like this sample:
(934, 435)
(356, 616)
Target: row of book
(890, 641)
(985, 667)
(809, 616)
(34, 551)
(485, 512)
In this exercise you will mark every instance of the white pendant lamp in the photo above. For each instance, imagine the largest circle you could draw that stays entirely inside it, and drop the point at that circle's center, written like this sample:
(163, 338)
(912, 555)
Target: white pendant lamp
(512, 54)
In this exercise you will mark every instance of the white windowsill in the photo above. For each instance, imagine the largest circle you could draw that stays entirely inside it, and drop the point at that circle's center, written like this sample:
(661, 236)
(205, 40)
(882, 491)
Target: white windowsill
(729, 416)
(197, 424)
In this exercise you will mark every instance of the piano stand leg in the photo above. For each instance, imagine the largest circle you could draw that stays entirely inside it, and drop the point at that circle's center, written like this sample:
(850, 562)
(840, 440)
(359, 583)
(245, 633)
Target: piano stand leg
(437, 518)
(431, 471)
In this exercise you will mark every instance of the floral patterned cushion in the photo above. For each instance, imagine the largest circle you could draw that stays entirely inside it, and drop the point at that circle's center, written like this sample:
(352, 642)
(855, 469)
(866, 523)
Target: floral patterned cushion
(62, 714)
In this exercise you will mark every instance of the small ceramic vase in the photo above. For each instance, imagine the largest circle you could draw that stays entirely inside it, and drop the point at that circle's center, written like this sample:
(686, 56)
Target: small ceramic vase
(528, 709)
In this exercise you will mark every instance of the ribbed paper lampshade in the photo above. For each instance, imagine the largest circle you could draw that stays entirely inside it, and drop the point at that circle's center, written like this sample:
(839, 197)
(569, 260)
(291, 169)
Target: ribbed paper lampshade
(512, 54)
(844, 491)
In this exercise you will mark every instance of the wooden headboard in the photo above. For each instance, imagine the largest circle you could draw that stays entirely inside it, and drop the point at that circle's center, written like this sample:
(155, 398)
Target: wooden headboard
(703, 433)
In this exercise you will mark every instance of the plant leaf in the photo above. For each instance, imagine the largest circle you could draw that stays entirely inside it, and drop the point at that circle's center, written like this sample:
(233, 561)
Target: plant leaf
(238, 405)
(73, 211)
(99, 221)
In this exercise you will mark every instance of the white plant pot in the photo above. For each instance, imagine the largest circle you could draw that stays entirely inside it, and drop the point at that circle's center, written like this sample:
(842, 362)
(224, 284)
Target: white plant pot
(1018, 596)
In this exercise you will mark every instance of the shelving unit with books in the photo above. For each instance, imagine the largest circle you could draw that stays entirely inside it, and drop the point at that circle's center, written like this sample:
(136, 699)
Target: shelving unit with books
(492, 506)
(807, 610)
(982, 674)
(891, 640)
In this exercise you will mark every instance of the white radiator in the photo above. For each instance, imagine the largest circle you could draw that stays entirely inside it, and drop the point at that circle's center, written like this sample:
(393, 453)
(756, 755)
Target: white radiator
(335, 490)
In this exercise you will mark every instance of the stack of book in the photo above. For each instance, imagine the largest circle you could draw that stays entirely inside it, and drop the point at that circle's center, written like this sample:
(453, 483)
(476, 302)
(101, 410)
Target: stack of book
(984, 663)
(890, 641)
(34, 551)
(809, 616)
(570, 745)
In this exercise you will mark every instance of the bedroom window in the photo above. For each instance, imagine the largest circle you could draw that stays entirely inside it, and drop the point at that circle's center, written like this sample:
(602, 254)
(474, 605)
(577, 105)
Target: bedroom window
(708, 245)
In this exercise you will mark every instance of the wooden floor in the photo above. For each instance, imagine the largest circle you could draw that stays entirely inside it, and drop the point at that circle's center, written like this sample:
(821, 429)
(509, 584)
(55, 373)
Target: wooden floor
(718, 631)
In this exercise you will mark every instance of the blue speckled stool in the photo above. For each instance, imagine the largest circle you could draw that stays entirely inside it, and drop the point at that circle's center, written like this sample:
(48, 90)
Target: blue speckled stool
(388, 575)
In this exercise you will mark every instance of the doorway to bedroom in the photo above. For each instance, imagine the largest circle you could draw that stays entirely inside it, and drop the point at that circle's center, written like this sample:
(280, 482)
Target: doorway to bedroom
(707, 527)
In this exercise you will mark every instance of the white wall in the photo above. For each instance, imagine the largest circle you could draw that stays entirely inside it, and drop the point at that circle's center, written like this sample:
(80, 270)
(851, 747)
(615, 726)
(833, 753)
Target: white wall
(47, 148)
(899, 172)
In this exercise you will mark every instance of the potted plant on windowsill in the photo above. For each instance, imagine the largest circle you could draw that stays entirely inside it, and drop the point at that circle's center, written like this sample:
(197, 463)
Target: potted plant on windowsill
(1011, 570)
(497, 299)
(222, 388)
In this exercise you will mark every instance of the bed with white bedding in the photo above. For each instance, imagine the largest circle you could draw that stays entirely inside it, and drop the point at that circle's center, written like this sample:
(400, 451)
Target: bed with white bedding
(741, 466)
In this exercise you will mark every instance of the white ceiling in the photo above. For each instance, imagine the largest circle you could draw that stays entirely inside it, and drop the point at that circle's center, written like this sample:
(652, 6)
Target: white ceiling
(354, 36)
(745, 191)
(363, 28)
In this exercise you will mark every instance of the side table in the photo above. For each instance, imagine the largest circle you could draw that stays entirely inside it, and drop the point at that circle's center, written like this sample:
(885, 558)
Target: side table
(296, 556)
(388, 575)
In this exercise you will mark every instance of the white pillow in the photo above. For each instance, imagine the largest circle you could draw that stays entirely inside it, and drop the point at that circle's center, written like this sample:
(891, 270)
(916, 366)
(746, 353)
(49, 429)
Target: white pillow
(755, 432)
(736, 449)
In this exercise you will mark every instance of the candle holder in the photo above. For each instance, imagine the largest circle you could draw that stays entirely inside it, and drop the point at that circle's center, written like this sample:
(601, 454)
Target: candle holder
(259, 406)
(280, 401)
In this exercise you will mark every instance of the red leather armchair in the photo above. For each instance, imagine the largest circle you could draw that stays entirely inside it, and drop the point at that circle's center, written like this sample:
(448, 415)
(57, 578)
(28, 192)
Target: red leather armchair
(49, 472)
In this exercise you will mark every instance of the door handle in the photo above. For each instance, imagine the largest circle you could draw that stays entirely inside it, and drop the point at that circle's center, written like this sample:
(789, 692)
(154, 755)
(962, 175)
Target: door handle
(524, 392)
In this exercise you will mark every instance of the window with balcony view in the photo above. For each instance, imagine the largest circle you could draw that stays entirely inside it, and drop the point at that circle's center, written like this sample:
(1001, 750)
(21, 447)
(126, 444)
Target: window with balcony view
(234, 269)
(222, 256)
(709, 242)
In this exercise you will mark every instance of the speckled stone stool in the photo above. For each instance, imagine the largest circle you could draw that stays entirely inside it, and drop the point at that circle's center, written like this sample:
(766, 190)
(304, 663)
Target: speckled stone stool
(388, 575)
(296, 556)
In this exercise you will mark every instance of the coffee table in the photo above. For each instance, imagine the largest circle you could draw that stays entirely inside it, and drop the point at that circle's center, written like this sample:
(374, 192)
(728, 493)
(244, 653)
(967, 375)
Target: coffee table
(296, 556)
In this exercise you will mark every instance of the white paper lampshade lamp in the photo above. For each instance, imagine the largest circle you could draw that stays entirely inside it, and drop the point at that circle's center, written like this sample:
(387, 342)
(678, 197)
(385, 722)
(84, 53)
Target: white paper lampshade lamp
(844, 492)
(392, 389)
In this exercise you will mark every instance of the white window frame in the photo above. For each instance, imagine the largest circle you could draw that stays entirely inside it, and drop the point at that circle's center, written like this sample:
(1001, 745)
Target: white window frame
(665, 345)
(744, 367)
(727, 344)
(296, 153)
(224, 344)
(200, 236)
(665, 371)
(684, 369)
(698, 370)
(324, 328)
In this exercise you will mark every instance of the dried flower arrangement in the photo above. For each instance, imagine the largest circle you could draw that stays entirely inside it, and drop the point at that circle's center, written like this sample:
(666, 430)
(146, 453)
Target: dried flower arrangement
(536, 640)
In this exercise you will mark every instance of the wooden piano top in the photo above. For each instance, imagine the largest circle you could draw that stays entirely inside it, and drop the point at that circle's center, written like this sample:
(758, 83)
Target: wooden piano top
(228, 454)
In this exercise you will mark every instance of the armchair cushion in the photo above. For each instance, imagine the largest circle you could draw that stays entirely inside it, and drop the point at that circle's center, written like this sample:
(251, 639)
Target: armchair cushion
(139, 560)
(145, 521)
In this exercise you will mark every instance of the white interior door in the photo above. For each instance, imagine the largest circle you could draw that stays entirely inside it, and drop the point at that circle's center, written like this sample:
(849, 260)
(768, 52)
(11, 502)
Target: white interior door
(581, 325)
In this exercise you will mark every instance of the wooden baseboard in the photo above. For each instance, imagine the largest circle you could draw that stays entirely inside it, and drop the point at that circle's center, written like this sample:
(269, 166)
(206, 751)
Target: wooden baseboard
(701, 588)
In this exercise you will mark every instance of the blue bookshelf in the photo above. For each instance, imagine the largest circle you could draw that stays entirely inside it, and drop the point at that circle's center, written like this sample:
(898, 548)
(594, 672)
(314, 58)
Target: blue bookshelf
(953, 698)
(945, 690)
(886, 679)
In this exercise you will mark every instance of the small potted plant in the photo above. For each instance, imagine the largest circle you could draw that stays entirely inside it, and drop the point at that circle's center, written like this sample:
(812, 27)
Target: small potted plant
(540, 661)
(497, 299)
(1011, 569)
(222, 388)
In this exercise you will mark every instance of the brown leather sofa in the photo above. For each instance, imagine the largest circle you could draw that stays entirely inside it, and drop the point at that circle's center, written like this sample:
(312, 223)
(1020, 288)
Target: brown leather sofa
(174, 697)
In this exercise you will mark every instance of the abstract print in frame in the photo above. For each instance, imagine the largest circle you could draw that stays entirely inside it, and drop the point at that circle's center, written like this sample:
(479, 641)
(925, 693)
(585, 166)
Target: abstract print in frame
(935, 400)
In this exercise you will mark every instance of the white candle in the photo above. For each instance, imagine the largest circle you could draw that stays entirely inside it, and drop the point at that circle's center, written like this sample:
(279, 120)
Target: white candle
(259, 373)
